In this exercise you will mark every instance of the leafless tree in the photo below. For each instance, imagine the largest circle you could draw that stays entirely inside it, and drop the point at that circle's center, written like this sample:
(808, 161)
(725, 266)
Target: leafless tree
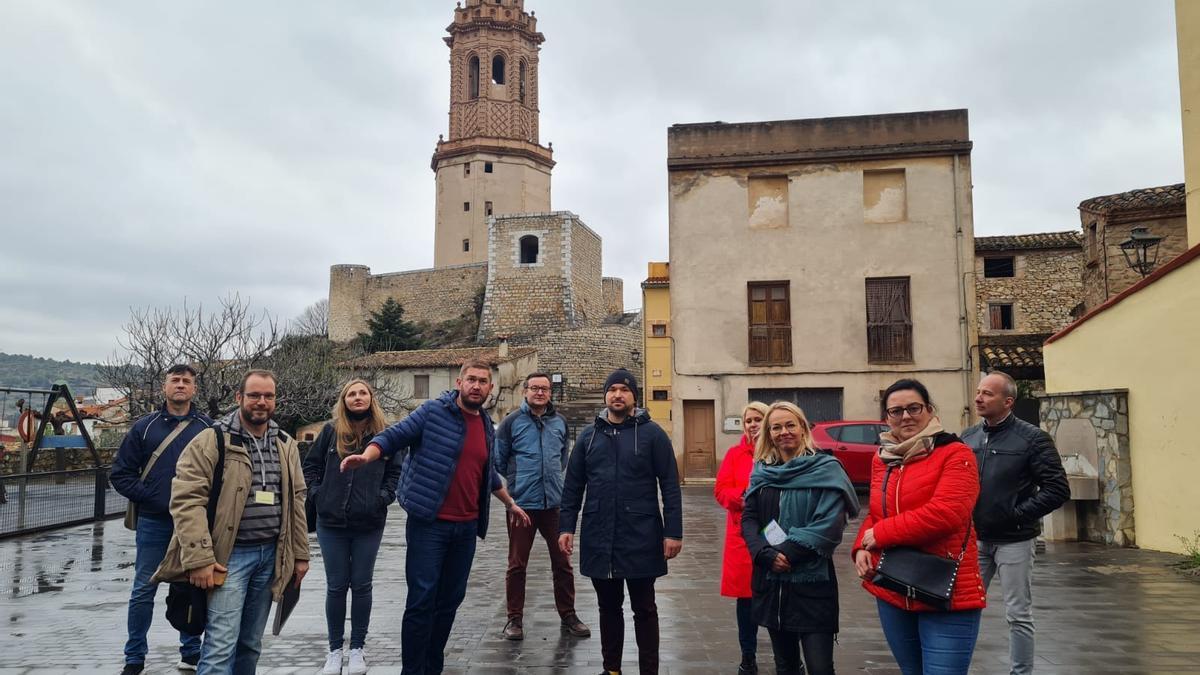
(314, 320)
(220, 344)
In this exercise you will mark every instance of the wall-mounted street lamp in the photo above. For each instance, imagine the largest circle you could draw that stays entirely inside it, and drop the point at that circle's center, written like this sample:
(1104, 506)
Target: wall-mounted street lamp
(1141, 250)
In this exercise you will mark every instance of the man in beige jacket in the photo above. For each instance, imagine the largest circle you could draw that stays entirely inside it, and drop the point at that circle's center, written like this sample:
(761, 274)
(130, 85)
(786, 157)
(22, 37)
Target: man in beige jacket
(259, 539)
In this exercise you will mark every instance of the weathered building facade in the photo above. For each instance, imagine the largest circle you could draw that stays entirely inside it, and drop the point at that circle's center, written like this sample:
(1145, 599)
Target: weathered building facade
(818, 261)
(656, 319)
(1108, 220)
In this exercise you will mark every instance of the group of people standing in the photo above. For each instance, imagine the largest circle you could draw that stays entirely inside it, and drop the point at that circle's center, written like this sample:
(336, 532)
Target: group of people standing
(977, 502)
(222, 505)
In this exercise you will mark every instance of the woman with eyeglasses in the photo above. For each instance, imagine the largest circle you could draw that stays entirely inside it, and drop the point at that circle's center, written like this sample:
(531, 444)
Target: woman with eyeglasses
(732, 480)
(923, 488)
(796, 508)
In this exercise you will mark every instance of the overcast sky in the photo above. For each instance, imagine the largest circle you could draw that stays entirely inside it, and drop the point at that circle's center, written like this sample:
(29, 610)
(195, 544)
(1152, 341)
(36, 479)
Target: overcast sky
(156, 151)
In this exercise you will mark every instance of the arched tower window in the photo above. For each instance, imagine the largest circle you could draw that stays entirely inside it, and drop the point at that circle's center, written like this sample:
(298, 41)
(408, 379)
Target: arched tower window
(529, 249)
(521, 71)
(473, 77)
(498, 69)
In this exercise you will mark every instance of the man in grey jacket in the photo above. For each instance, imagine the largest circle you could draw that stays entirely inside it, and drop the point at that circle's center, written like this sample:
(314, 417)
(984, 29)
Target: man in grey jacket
(531, 454)
(1021, 479)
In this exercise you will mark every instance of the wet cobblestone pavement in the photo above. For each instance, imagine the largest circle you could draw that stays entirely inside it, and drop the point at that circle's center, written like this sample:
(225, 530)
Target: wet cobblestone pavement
(1098, 611)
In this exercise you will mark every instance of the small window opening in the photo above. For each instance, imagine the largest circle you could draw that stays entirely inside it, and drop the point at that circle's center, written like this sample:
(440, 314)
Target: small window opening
(521, 81)
(658, 330)
(466, 245)
(487, 208)
(994, 268)
(473, 77)
(1001, 316)
(466, 206)
(661, 395)
(529, 249)
(487, 167)
(466, 169)
(497, 69)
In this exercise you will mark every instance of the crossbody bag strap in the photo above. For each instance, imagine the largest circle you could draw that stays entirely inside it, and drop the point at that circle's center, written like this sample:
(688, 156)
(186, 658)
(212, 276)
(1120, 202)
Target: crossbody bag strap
(970, 523)
(214, 493)
(886, 475)
(163, 446)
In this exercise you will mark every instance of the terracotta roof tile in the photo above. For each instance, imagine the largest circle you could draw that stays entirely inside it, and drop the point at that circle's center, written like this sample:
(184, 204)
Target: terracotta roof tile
(432, 358)
(1165, 196)
(1012, 356)
(1040, 240)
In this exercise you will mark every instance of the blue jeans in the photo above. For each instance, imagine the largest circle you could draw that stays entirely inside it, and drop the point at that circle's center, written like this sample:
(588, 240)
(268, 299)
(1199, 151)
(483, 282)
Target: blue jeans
(930, 643)
(238, 611)
(153, 534)
(437, 564)
(349, 557)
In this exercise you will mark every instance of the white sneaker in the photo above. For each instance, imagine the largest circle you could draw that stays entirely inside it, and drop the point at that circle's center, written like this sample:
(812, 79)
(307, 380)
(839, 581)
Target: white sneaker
(333, 663)
(358, 662)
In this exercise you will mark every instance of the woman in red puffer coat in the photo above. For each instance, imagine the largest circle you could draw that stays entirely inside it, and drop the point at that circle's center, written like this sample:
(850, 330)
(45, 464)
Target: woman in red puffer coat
(930, 481)
(732, 480)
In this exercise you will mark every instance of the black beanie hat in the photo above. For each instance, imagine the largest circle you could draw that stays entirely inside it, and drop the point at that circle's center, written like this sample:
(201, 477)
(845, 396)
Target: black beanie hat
(622, 376)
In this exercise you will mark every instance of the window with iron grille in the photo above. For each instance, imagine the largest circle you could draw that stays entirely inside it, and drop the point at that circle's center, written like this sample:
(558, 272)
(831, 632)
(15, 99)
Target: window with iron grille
(770, 323)
(889, 321)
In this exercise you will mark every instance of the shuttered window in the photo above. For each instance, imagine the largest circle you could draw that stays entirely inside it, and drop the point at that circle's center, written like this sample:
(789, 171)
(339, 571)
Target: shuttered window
(889, 321)
(770, 323)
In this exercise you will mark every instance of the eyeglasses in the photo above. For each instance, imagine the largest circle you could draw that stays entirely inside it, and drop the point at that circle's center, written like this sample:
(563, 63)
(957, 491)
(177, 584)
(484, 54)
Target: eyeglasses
(539, 390)
(913, 409)
(255, 396)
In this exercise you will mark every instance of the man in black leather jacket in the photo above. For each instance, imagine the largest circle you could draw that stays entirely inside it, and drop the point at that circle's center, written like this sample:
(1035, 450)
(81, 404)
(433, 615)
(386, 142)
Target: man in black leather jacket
(1021, 479)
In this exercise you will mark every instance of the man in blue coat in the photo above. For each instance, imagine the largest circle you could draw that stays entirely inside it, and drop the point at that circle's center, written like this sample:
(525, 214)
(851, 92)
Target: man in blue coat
(142, 472)
(623, 461)
(444, 485)
(531, 453)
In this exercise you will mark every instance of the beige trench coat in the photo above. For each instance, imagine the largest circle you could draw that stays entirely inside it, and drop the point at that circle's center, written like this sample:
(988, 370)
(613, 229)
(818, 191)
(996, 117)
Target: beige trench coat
(191, 546)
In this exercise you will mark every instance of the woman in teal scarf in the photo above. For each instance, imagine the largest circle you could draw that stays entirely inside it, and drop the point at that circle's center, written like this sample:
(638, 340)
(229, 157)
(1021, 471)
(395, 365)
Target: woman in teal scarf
(796, 509)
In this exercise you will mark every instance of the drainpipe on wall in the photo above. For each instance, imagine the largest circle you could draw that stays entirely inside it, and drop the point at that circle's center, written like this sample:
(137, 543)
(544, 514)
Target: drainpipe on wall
(964, 333)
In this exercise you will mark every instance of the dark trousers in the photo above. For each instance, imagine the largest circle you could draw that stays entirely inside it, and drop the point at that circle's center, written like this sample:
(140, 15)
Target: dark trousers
(437, 564)
(349, 557)
(520, 542)
(817, 647)
(610, 597)
(747, 628)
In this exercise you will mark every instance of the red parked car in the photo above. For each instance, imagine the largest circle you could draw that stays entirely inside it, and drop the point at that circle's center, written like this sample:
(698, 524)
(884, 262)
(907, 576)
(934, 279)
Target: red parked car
(855, 443)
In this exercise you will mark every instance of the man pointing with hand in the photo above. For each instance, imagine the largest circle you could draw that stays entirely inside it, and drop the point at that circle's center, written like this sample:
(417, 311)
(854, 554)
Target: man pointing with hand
(444, 486)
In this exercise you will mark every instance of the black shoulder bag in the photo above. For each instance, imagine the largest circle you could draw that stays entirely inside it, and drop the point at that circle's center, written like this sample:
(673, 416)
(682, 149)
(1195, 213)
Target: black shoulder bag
(915, 574)
(187, 605)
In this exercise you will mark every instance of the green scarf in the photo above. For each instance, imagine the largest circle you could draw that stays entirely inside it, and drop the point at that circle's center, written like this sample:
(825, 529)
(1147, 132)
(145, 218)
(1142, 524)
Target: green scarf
(816, 498)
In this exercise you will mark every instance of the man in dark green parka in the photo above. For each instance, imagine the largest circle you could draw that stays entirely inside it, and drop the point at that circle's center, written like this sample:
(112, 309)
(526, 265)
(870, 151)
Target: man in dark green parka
(623, 461)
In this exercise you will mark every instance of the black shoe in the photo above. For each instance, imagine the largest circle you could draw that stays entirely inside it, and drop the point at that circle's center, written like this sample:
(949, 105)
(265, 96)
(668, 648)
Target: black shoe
(133, 668)
(513, 629)
(574, 627)
(748, 666)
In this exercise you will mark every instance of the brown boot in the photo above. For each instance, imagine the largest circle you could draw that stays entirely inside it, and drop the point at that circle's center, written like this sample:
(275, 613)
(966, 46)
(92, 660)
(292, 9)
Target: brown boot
(513, 629)
(574, 627)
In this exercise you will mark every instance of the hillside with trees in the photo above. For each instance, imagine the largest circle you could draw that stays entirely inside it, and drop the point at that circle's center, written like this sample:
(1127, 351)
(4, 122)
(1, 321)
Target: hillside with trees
(22, 370)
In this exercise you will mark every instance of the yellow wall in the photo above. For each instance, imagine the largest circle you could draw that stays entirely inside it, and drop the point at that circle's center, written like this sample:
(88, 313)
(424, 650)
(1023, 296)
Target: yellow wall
(1147, 343)
(1187, 28)
(656, 307)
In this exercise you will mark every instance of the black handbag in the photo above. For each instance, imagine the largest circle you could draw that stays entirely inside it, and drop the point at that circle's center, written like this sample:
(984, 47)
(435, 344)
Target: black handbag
(915, 574)
(187, 605)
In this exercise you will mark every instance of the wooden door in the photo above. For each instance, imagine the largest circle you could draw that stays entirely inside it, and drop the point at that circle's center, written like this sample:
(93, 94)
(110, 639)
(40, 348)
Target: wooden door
(699, 440)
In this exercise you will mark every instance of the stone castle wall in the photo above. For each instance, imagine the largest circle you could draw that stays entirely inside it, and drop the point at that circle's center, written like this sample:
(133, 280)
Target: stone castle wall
(427, 295)
(559, 290)
(1045, 286)
(614, 296)
(586, 356)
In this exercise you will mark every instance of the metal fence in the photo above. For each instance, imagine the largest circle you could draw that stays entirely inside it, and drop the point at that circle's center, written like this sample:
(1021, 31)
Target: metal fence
(50, 499)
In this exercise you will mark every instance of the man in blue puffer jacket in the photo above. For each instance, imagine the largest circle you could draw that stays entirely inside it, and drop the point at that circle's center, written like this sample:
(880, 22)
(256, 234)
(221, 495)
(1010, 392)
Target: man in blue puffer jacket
(531, 454)
(154, 443)
(444, 485)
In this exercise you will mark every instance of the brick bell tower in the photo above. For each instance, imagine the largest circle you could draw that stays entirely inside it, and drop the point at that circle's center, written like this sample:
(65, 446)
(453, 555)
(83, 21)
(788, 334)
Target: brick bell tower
(491, 163)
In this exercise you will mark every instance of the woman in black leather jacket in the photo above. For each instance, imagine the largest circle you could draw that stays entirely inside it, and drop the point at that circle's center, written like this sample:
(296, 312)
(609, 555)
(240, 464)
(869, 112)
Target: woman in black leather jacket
(350, 509)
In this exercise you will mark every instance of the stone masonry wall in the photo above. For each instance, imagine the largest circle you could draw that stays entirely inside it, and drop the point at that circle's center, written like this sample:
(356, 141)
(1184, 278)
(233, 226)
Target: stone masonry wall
(614, 296)
(583, 264)
(1109, 274)
(1044, 288)
(586, 356)
(1109, 520)
(427, 295)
